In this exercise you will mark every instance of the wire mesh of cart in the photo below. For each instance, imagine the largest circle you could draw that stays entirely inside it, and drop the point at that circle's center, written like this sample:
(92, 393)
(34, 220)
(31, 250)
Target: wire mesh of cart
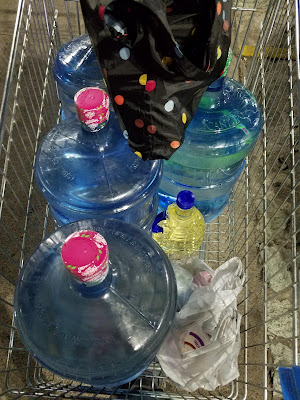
(260, 224)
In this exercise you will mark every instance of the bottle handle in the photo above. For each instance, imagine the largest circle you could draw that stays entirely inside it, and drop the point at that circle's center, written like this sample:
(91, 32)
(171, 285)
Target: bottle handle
(160, 217)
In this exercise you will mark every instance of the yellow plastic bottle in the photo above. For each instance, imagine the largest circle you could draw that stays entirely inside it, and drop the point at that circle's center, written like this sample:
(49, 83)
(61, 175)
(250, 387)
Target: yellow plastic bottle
(180, 231)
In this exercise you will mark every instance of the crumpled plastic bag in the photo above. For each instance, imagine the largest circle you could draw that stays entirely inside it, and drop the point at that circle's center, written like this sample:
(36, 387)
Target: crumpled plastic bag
(212, 310)
(190, 274)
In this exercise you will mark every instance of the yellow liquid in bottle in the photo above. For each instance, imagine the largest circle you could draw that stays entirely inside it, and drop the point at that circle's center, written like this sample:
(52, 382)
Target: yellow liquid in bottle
(183, 232)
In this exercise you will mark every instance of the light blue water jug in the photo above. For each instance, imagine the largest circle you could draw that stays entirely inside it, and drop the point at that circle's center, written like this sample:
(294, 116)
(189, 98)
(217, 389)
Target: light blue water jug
(95, 301)
(89, 171)
(224, 129)
(212, 190)
(75, 68)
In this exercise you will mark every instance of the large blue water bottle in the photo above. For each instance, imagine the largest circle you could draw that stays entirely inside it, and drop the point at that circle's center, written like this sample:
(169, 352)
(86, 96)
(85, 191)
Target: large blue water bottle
(95, 308)
(75, 67)
(224, 129)
(85, 168)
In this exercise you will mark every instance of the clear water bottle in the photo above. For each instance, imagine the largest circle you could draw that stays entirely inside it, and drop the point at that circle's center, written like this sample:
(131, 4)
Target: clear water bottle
(224, 129)
(85, 169)
(95, 308)
(180, 230)
(76, 67)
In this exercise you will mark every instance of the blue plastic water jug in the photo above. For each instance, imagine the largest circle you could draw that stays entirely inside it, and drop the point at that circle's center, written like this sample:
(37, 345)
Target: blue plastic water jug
(75, 68)
(211, 194)
(95, 301)
(86, 170)
(224, 129)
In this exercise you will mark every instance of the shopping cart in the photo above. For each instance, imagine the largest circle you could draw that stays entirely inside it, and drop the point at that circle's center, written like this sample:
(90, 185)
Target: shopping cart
(259, 225)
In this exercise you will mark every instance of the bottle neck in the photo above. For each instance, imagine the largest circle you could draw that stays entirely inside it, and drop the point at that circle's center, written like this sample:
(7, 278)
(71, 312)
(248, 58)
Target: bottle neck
(92, 290)
(92, 140)
(100, 129)
(183, 213)
(213, 98)
(217, 85)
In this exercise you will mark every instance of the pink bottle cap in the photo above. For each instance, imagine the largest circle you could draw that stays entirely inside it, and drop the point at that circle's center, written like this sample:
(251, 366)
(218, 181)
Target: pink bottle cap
(92, 106)
(85, 255)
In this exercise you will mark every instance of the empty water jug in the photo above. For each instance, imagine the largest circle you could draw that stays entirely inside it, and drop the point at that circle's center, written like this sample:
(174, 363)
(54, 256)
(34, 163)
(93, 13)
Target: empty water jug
(75, 67)
(87, 171)
(212, 188)
(224, 129)
(95, 308)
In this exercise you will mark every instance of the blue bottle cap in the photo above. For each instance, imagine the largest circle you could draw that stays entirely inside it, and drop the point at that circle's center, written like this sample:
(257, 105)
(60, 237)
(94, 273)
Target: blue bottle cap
(185, 199)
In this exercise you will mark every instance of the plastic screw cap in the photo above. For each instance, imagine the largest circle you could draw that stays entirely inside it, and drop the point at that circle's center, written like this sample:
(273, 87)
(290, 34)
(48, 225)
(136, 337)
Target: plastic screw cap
(85, 255)
(92, 105)
(185, 199)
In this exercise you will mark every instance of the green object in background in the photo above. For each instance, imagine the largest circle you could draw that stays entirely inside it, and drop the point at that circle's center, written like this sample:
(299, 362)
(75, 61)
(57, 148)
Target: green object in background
(229, 58)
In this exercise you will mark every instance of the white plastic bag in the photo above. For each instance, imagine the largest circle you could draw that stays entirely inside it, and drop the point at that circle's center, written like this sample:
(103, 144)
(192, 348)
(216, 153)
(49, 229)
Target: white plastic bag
(210, 323)
(184, 282)
(186, 272)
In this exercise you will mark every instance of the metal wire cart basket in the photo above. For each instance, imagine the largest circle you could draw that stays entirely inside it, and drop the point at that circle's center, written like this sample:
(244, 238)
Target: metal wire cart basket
(259, 225)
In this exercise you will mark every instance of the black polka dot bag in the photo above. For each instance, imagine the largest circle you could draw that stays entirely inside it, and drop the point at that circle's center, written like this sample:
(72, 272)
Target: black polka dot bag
(158, 57)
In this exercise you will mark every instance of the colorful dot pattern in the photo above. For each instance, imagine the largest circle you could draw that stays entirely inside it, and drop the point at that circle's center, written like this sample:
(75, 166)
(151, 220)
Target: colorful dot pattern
(119, 100)
(169, 106)
(175, 144)
(150, 89)
(226, 25)
(151, 129)
(125, 134)
(139, 123)
(125, 53)
(143, 79)
(150, 86)
(167, 60)
(101, 12)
